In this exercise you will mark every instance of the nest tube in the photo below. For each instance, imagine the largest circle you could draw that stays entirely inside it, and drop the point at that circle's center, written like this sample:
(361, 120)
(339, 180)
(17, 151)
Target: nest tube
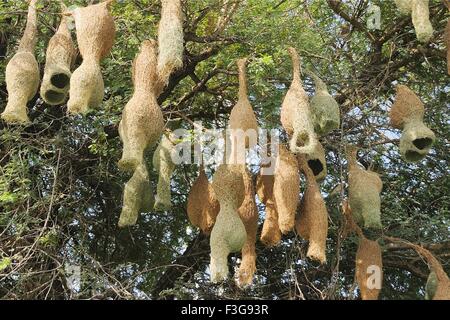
(137, 197)
(163, 164)
(404, 6)
(202, 205)
(249, 216)
(96, 32)
(312, 222)
(270, 233)
(170, 39)
(369, 268)
(286, 189)
(407, 114)
(60, 57)
(22, 73)
(243, 121)
(228, 234)
(364, 193)
(324, 108)
(142, 120)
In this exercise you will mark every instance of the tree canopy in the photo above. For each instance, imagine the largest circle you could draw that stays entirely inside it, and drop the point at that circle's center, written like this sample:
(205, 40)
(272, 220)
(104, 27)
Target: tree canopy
(61, 190)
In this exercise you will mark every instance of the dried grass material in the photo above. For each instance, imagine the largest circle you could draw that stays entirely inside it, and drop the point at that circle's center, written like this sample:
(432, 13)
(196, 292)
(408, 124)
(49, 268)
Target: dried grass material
(59, 60)
(404, 6)
(242, 116)
(249, 216)
(228, 234)
(96, 31)
(202, 204)
(407, 113)
(286, 189)
(22, 73)
(170, 39)
(324, 109)
(420, 14)
(295, 113)
(142, 120)
(317, 163)
(443, 282)
(270, 234)
(312, 222)
(364, 193)
(447, 44)
(163, 164)
(137, 197)
(368, 260)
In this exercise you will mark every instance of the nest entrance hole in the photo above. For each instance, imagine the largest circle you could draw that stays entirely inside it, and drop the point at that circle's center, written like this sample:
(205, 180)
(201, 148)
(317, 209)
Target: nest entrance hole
(60, 80)
(422, 143)
(316, 166)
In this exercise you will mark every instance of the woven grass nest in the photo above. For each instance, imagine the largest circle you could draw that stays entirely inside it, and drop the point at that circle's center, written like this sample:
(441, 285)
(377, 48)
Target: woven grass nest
(270, 234)
(295, 112)
(420, 14)
(324, 109)
(22, 73)
(368, 260)
(364, 193)
(96, 31)
(60, 58)
(170, 39)
(312, 221)
(407, 113)
(142, 120)
(202, 204)
(228, 234)
(242, 116)
(249, 216)
(286, 189)
(137, 197)
(163, 164)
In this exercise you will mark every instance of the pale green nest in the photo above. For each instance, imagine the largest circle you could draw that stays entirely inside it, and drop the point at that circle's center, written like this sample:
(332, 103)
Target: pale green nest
(137, 197)
(228, 234)
(431, 286)
(324, 109)
(163, 164)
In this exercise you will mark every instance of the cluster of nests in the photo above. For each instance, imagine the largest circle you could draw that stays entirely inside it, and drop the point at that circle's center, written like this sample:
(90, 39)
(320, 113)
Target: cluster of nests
(225, 209)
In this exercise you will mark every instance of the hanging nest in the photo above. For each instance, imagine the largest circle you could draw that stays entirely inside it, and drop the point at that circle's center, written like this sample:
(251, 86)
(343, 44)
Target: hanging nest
(202, 204)
(295, 114)
(312, 222)
(170, 39)
(368, 262)
(324, 109)
(420, 13)
(286, 189)
(228, 234)
(442, 291)
(407, 113)
(137, 197)
(95, 37)
(163, 164)
(142, 120)
(249, 216)
(242, 116)
(364, 193)
(317, 163)
(270, 234)
(22, 73)
(59, 60)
